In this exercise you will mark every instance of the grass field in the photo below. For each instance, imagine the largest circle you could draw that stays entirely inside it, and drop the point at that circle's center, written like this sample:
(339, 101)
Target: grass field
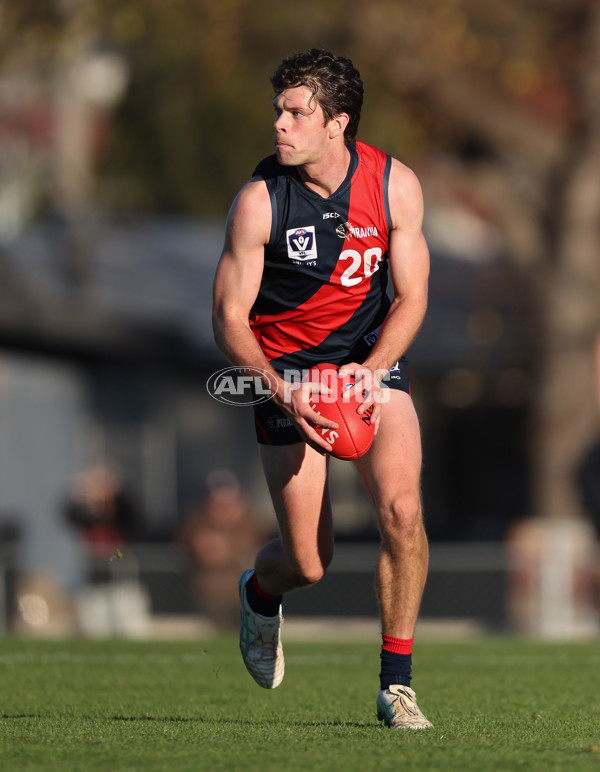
(497, 704)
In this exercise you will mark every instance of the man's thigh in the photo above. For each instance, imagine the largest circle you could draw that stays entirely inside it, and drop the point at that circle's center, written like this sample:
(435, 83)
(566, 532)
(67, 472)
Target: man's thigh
(392, 467)
(297, 479)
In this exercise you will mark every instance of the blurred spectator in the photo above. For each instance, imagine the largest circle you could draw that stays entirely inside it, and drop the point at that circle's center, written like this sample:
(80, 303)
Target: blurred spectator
(99, 507)
(112, 601)
(221, 536)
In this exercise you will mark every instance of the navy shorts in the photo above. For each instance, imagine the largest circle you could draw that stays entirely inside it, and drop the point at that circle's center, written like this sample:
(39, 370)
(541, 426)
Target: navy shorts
(273, 427)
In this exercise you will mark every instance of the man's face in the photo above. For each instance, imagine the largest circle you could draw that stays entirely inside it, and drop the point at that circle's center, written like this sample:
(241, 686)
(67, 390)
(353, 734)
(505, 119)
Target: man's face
(301, 133)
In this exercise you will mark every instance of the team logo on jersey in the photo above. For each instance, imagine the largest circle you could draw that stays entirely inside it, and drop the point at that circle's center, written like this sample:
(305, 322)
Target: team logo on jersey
(348, 231)
(302, 244)
(342, 229)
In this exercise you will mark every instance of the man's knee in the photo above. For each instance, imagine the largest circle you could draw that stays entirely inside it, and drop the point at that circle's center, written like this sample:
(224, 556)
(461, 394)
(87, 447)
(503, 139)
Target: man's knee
(401, 518)
(311, 570)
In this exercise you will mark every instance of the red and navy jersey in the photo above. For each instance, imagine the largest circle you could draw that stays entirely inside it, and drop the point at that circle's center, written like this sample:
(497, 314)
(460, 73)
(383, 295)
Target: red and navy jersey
(324, 283)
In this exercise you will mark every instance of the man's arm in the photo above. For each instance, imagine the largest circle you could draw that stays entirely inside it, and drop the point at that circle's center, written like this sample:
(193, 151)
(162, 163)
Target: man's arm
(236, 286)
(409, 271)
(238, 277)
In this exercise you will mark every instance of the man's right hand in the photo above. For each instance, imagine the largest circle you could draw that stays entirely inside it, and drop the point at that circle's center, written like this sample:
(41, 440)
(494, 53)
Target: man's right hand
(293, 399)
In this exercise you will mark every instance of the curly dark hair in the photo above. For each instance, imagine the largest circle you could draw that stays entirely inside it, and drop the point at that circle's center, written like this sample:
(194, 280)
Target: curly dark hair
(335, 83)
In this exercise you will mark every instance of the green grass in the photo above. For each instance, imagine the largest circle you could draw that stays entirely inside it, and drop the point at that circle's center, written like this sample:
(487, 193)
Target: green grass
(497, 704)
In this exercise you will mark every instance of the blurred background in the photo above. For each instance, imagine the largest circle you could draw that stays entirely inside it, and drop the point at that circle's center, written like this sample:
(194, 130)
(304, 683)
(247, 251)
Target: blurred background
(129, 499)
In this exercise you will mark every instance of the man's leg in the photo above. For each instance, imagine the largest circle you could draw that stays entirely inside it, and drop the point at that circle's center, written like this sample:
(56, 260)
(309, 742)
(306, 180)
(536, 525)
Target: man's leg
(297, 479)
(391, 471)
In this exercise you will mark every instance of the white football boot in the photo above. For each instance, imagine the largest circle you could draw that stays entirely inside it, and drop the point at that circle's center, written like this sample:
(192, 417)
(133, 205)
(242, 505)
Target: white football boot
(259, 641)
(397, 708)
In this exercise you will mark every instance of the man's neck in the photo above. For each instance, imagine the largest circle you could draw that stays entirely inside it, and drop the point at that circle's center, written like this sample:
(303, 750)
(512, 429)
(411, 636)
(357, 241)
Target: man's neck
(326, 176)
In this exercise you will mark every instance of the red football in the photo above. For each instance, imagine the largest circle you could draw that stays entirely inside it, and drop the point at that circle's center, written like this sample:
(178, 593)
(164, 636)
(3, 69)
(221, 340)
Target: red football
(355, 432)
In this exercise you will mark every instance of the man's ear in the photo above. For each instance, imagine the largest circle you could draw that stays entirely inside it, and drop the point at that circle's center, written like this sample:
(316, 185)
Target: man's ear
(338, 124)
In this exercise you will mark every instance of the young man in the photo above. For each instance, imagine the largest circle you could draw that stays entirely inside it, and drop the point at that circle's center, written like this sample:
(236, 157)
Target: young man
(302, 279)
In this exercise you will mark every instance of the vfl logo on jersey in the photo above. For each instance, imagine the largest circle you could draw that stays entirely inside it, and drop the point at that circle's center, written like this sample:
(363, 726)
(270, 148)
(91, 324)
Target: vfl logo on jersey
(302, 244)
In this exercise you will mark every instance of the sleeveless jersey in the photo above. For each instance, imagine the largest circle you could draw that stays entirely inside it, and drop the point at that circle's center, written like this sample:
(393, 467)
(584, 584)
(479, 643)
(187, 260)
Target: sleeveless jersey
(324, 283)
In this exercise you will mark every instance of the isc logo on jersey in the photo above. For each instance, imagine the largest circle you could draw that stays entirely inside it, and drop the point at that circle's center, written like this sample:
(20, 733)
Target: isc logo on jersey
(302, 244)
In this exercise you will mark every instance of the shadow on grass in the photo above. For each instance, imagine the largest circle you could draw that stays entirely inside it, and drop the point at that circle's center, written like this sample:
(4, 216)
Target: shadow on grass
(175, 719)
(256, 724)
(344, 724)
(42, 716)
(201, 720)
(248, 722)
